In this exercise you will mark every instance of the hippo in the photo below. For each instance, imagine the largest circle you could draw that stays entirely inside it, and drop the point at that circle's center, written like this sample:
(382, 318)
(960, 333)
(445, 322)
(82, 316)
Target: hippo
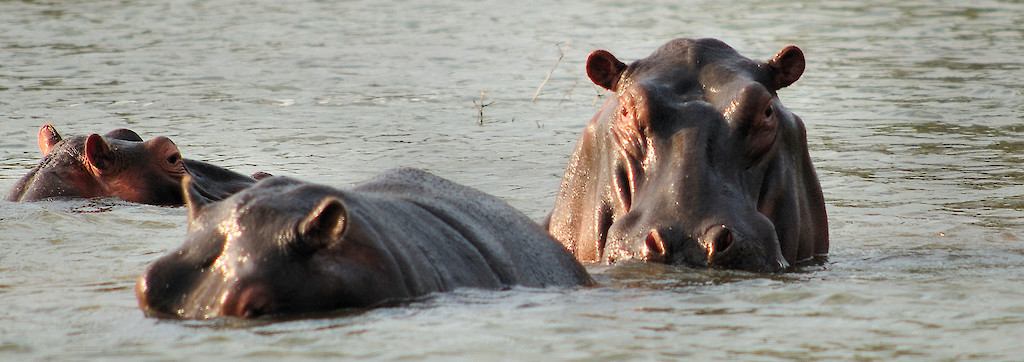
(285, 247)
(694, 161)
(120, 164)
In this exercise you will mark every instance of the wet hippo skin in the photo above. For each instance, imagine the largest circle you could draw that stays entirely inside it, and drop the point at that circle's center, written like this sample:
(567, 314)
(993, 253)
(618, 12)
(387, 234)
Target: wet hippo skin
(120, 164)
(284, 247)
(693, 161)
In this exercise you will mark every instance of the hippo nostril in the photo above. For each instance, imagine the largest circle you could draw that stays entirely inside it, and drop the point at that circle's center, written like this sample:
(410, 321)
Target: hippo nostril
(654, 246)
(730, 249)
(725, 249)
(721, 239)
(251, 303)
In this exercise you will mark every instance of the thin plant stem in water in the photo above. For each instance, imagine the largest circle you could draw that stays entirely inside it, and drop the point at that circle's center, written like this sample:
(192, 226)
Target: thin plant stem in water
(561, 55)
(480, 106)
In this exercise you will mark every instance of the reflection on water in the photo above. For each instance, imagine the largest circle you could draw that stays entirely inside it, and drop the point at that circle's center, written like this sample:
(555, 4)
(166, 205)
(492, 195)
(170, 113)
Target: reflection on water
(914, 112)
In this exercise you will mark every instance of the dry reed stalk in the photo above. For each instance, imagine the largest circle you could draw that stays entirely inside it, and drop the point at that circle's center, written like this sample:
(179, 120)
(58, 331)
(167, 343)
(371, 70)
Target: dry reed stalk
(560, 56)
(480, 106)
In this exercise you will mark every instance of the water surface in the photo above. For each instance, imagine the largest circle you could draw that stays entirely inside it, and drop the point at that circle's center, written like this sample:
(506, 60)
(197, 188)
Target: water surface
(914, 111)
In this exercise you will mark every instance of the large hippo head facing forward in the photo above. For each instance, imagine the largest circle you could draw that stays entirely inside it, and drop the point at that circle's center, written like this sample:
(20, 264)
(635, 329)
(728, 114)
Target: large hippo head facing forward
(119, 164)
(695, 161)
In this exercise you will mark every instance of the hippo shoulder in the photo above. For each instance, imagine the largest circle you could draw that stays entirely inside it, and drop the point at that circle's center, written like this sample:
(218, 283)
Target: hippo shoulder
(518, 249)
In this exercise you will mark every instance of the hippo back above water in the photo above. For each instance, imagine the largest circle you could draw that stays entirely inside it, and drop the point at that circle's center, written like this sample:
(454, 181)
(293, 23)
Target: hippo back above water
(285, 246)
(120, 164)
(694, 161)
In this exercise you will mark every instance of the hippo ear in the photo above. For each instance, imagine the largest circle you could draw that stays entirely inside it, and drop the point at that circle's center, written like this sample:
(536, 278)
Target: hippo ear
(788, 65)
(124, 134)
(98, 153)
(194, 200)
(324, 225)
(259, 175)
(48, 137)
(604, 69)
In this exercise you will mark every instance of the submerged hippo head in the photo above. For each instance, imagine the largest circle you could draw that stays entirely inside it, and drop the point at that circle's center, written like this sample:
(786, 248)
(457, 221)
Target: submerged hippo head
(694, 161)
(119, 164)
(286, 247)
(258, 253)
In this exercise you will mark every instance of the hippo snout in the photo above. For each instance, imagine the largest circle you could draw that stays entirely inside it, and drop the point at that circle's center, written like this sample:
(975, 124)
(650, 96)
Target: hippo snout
(154, 294)
(163, 289)
(731, 249)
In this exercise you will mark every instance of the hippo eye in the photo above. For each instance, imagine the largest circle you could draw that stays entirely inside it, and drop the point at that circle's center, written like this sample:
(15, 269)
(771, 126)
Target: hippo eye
(173, 158)
(768, 112)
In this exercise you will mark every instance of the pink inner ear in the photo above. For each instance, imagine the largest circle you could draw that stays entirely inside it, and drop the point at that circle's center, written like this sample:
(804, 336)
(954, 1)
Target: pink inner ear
(604, 69)
(97, 152)
(48, 137)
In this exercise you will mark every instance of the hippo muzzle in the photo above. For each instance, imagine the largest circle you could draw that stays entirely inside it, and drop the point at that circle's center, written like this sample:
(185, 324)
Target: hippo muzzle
(746, 245)
(696, 201)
